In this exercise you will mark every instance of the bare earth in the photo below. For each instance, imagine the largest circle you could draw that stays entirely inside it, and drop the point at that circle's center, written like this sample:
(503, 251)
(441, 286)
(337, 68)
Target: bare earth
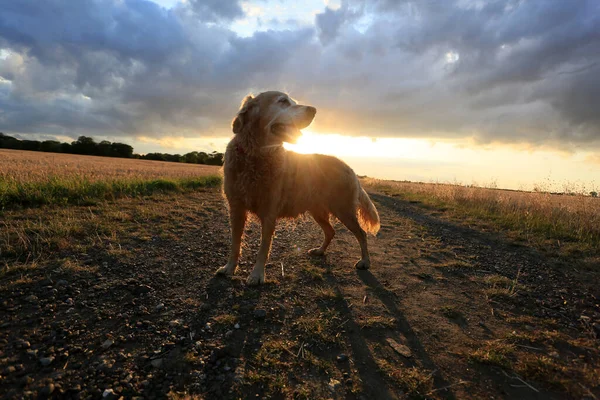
(128, 306)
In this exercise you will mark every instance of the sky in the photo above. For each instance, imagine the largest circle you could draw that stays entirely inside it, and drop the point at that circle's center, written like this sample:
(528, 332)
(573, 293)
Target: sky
(490, 92)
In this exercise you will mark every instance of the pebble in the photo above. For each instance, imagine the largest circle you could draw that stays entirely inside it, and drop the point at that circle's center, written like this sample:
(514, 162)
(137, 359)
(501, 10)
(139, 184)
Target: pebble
(342, 358)
(157, 363)
(334, 384)
(26, 380)
(47, 390)
(109, 394)
(237, 326)
(159, 307)
(260, 314)
(45, 361)
(107, 344)
(23, 344)
(399, 348)
(32, 299)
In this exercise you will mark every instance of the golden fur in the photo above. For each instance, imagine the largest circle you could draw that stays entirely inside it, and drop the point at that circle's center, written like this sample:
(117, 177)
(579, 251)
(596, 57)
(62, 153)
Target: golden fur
(263, 178)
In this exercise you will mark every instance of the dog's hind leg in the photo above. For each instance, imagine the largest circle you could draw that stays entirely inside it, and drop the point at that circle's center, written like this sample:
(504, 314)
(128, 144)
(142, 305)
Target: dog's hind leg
(257, 276)
(351, 222)
(237, 218)
(323, 221)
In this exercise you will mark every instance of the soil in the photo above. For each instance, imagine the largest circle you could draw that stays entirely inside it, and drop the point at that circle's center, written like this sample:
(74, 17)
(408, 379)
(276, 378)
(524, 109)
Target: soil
(446, 311)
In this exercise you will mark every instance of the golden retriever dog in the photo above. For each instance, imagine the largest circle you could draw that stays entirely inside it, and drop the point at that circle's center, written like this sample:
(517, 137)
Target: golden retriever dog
(263, 178)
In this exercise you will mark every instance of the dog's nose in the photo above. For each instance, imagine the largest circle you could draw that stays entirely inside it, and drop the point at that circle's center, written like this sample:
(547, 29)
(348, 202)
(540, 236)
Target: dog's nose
(311, 110)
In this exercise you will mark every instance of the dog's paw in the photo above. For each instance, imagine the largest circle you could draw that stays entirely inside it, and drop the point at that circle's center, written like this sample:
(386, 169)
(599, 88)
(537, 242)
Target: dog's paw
(363, 264)
(316, 252)
(225, 271)
(254, 280)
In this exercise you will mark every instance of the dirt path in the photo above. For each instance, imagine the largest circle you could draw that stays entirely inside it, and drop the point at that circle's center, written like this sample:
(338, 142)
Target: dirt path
(445, 312)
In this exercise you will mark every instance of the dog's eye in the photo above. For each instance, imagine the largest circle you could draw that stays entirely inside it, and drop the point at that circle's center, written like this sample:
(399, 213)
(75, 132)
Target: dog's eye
(284, 101)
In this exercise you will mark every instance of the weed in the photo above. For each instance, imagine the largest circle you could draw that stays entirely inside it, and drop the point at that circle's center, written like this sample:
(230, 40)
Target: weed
(415, 382)
(494, 352)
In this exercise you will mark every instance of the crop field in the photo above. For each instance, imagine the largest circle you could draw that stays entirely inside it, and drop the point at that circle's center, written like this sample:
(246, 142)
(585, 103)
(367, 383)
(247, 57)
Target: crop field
(35, 178)
(107, 289)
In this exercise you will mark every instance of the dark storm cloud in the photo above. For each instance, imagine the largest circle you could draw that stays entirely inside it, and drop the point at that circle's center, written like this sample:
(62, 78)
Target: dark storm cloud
(513, 71)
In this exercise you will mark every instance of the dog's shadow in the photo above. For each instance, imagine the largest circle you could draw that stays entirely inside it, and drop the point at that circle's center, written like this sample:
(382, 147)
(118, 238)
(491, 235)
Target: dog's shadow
(375, 380)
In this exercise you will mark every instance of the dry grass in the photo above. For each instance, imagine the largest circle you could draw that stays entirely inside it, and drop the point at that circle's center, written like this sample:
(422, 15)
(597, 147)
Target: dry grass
(34, 178)
(535, 216)
(36, 167)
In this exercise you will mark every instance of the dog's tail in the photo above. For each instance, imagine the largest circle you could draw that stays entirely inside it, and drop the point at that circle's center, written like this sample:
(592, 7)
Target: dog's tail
(367, 213)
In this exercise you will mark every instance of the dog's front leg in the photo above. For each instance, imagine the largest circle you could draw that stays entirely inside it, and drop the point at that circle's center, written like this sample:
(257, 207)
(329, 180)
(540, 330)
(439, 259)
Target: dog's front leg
(257, 276)
(237, 218)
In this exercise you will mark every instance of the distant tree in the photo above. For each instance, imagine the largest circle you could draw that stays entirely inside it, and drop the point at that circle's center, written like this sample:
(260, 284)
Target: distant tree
(31, 145)
(51, 146)
(84, 145)
(121, 150)
(202, 157)
(190, 158)
(66, 148)
(9, 142)
(104, 149)
(215, 158)
(594, 194)
(154, 156)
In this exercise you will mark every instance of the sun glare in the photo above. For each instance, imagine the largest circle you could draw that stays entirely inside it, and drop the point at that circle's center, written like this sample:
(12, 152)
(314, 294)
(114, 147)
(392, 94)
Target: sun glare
(347, 146)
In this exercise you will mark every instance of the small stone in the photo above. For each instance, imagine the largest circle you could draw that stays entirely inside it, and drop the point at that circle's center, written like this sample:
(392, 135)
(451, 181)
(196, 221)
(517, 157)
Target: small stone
(342, 358)
(45, 361)
(69, 301)
(142, 289)
(237, 326)
(334, 384)
(205, 307)
(32, 299)
(9, 370)
(399, 348)
(23, 344)
(157, 363)
(109, 394)
(61, 282)
(228, 334)
(26, 380)
(159, 307)
(260, 314)
(107, 343)
(175, 323)
(47, 390)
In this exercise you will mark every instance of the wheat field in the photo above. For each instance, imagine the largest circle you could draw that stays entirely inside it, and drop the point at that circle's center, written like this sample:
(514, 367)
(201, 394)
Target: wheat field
(30, 166)
(36, 178)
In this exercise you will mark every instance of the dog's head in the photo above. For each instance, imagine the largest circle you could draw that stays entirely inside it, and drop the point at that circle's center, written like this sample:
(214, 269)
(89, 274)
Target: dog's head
(274, 116)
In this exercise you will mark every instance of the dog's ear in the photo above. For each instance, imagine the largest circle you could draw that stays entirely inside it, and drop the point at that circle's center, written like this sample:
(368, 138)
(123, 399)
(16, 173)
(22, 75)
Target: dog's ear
(243, 115)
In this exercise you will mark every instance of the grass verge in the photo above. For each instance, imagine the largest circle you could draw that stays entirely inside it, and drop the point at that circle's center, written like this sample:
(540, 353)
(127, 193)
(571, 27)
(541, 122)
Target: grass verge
(567, 222)
(57, 191)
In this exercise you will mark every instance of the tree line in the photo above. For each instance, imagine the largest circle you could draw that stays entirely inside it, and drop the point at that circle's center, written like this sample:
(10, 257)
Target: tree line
(88, 146)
